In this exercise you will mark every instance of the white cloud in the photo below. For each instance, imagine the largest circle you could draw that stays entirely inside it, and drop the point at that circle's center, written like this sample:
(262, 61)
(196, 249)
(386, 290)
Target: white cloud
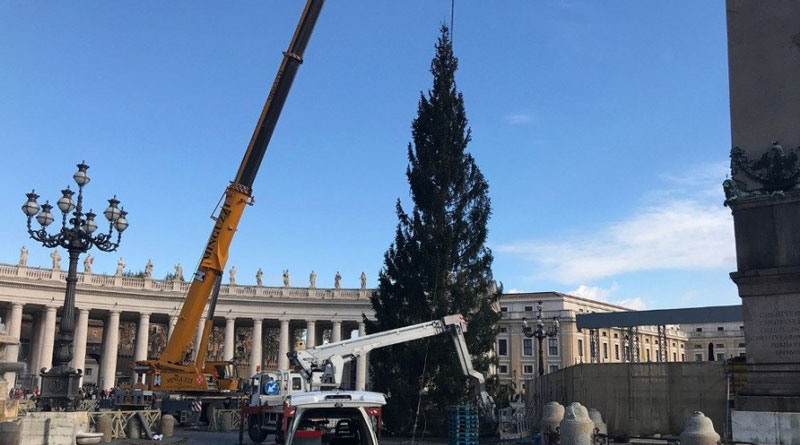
(519, 118)
(594, 292)
(678, 234)
(598, 293)
(631, 303)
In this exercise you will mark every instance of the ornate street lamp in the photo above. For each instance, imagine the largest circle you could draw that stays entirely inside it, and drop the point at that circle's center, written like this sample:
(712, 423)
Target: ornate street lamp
(59, 389)
(540, 333)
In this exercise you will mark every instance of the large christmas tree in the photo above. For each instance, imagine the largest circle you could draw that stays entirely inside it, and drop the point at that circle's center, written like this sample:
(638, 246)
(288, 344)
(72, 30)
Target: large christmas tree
(438, 263)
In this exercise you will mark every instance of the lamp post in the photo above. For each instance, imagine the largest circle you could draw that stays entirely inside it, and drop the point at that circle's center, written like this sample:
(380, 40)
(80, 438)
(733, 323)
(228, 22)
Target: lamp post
(59, 386)
(540, 333)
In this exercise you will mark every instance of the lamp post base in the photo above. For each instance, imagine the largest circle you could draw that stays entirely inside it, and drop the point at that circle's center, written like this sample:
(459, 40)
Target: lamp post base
(60, 389)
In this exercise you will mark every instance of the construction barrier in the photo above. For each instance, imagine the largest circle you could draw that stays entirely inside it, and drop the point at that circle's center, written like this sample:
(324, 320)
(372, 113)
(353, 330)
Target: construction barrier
(120, 419)
(216, 422)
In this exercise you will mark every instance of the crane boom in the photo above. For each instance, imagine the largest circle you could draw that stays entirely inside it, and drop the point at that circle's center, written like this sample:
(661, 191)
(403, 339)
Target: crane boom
(237, 196)
(323, 365)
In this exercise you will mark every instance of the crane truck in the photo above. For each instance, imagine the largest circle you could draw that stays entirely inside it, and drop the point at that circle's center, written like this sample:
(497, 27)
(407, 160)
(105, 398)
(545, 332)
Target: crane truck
(320, 369)
(180, 383)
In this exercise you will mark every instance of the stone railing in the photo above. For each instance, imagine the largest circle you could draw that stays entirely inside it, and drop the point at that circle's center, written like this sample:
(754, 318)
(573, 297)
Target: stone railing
(143, 283)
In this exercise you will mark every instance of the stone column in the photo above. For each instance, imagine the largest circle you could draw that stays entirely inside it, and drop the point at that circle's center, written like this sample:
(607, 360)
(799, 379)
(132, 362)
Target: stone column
(36, 347)
(336, 332)
(361, 363)
(311, 333)
(142, 340)
(13, 329)
(79, 344)
(46, 359)
(198, 337)
(255, 354)
(283, 349)
(111, 335)
(172, 320)
(230, 333)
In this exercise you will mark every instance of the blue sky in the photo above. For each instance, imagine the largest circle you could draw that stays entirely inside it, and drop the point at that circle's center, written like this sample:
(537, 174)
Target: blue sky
(602, 127)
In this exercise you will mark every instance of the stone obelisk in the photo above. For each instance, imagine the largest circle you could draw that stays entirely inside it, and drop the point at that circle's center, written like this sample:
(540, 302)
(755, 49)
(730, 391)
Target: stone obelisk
(764, 197)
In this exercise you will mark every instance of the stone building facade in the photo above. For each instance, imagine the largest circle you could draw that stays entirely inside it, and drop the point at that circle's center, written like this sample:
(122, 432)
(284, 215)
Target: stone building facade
(714, 341)
(518, 356)
(121, 319)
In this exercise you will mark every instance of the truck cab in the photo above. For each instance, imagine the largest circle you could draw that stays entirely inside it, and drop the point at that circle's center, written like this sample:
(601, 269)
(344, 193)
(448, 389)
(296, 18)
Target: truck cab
(333, 418)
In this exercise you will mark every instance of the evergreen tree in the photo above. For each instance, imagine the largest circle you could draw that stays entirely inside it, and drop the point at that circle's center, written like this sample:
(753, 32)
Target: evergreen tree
(438, 263)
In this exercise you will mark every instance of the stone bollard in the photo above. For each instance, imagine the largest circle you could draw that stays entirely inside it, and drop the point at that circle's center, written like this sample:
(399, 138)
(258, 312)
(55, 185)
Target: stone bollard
(226, 421)
(167, 425)
(699, 431)
(577, 427)
(103, 425)
(595, 416)
(133, 430)
(552, 414)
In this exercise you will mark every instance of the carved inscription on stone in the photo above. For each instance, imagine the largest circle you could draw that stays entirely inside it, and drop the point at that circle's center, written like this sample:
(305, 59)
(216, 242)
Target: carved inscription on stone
(772, 326)
(780, 331)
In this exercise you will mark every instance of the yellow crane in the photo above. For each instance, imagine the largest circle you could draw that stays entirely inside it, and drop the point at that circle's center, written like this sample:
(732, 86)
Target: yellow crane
(170, 372)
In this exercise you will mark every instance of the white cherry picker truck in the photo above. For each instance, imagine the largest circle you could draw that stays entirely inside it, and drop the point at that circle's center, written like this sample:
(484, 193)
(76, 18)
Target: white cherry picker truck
(320, 369)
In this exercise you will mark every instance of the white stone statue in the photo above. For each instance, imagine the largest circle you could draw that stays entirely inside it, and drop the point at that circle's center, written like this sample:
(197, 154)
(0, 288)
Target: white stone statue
(259, 277)
(87, 264)
(148, 269)
(23, 257)
(363, 280)
(232, 275)
(312, 280)
(286, 278)
(178, 272)
(337, 280)
(56, 260)
(120, 267)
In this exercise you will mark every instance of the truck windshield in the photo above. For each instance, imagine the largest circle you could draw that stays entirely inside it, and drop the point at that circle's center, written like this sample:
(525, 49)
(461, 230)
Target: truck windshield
(332, 426)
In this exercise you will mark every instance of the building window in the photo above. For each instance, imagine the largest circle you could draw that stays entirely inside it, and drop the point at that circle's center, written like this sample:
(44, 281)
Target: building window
(527, 347)
(741, 328)
(673, 345)
(741, 345)
(647, 340)
(616, 335)
(698, 346)
(88, 372)
(503, 330)
(552, 346)
(696, 329)
(616, 352)
(720, 328)
(502, 347)
(580, 347)
(503, 369)
(719, 345)
(683, 357)
(721, 356)
(528, 308)
(647, 353)
(681, 345)
(674, 356)
(605, 351)
(698, 357)
(503, 312)
(527, 369)
(553, 368)
(604, 334)
(741, 354)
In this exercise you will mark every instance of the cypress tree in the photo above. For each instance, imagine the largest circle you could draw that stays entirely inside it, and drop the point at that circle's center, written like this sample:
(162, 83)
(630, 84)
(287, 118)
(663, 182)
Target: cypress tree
(438, 263)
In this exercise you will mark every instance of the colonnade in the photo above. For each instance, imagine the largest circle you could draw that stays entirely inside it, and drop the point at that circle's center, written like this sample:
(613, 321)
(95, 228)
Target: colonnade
(44, 331)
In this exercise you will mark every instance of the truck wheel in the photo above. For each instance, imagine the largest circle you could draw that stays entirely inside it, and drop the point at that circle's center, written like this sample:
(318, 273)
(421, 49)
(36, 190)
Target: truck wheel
(255, 428)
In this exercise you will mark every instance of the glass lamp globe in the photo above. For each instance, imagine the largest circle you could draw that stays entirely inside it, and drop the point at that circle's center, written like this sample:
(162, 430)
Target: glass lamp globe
(45, 217)
(81, 177)
(90, 225)
(31, 207)
(121, 223)
(112, 212)
(65, 203)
